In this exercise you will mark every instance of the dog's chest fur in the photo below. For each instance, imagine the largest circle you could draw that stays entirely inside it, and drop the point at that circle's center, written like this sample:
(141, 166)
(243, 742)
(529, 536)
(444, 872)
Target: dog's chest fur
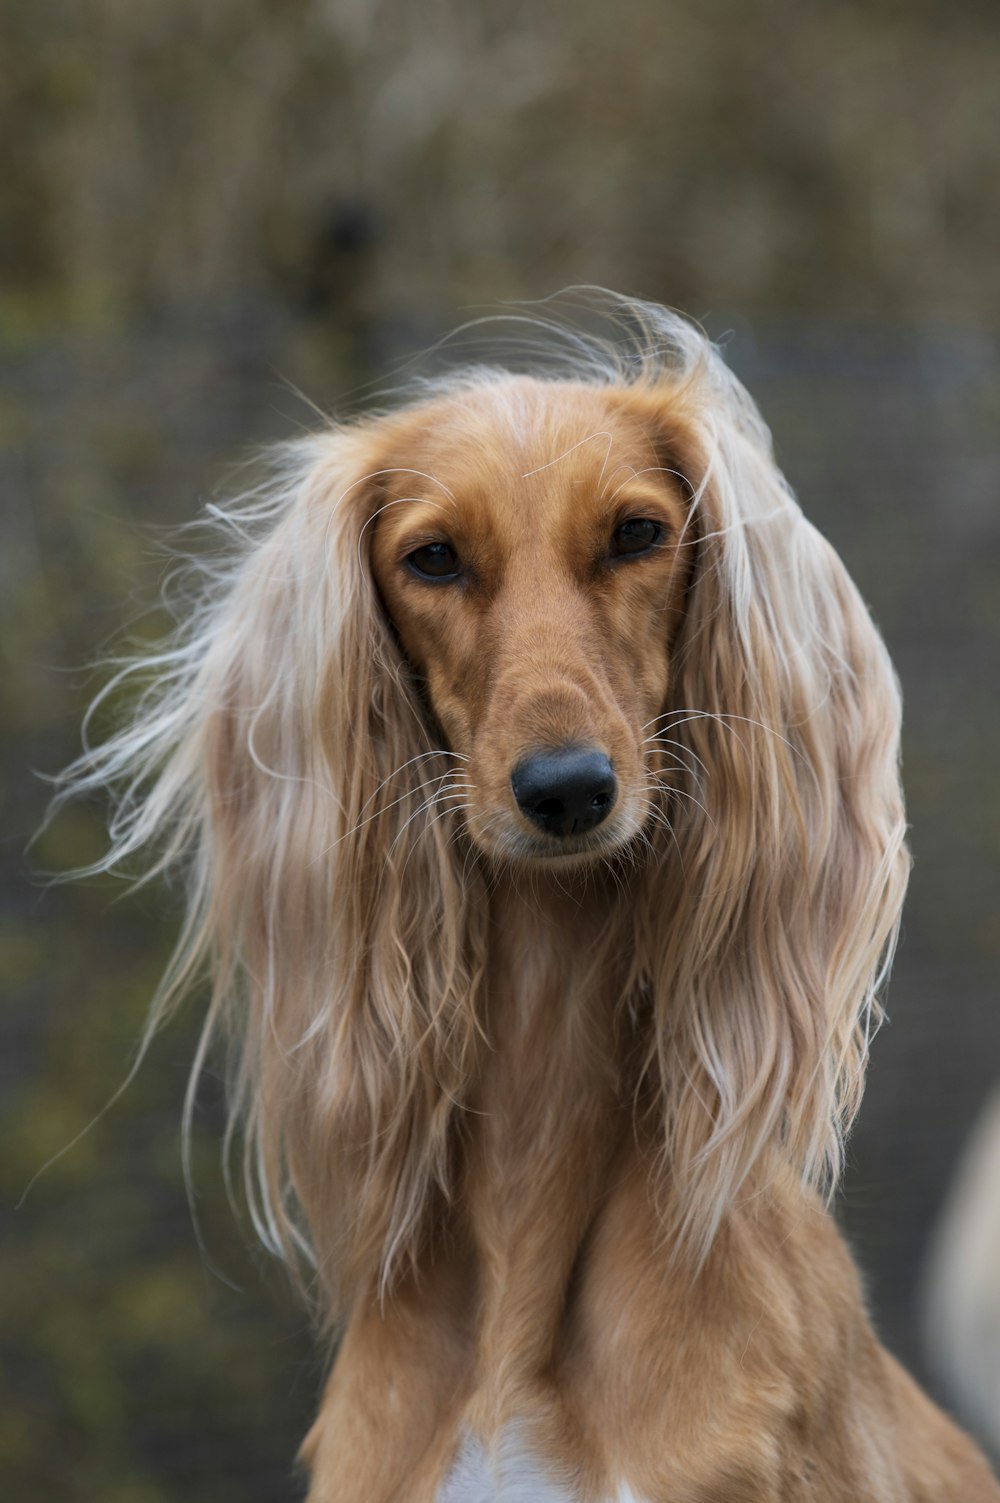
(510, 1474)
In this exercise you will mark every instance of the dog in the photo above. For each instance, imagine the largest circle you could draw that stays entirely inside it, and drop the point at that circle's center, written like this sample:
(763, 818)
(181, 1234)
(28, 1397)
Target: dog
(533, 766)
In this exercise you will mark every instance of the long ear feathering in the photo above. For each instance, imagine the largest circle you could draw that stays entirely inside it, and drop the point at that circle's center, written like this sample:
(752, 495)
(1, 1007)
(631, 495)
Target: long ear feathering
(768, 929)
(281, 758)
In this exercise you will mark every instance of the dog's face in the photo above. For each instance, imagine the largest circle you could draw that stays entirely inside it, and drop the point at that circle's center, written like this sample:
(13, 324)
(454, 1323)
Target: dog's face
(529, 552)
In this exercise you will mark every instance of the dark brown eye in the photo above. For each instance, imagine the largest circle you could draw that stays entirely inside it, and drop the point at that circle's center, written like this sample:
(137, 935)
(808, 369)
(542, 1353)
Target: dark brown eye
(637, 535)
(434, 561)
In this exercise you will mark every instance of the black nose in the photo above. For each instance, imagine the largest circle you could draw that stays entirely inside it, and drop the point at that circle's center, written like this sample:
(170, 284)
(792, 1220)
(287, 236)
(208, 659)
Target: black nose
(565, 792)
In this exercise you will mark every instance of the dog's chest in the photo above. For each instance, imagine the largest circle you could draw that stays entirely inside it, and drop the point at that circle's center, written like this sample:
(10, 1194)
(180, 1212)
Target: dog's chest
(510, 1473)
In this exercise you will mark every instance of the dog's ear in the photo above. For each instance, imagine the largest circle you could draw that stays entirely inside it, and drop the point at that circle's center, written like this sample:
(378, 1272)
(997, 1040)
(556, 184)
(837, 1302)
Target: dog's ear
(281, 756)
(784, 872)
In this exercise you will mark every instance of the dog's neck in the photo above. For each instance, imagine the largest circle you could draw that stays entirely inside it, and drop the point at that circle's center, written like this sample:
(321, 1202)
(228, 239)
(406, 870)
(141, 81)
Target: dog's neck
(548, 1116)
(555, 937)
(558, 964)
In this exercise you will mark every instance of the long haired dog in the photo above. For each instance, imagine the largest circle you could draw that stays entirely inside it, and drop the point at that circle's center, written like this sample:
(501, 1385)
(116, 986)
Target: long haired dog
(534, 769)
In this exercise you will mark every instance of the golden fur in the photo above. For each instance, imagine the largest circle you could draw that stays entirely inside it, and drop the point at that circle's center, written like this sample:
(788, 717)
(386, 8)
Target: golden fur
(547, 1127)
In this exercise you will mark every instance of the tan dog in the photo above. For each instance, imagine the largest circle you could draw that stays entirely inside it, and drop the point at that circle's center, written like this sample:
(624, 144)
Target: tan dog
(535, 765)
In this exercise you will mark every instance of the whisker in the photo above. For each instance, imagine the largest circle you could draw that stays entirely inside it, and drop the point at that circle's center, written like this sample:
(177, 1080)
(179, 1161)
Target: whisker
(420, 756)
(672, 788)
(683, 717)
(399, 501)
(361, 823)
(660, 739)
(673, 761)
(428, 803)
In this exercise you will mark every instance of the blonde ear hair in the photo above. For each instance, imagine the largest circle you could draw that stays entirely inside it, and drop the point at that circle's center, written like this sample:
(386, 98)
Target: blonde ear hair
(282, 758)
(768, 926)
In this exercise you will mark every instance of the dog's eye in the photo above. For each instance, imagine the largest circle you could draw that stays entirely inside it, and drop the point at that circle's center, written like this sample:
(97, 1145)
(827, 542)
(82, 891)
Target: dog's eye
(434, 561)
(637, 535)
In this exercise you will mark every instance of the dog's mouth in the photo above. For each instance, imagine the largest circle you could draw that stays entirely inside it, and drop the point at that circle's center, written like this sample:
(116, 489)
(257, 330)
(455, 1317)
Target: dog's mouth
(579, 850)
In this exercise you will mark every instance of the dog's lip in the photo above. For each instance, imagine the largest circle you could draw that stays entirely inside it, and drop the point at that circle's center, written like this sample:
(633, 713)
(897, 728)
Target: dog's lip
(534, 849)
(579, 846)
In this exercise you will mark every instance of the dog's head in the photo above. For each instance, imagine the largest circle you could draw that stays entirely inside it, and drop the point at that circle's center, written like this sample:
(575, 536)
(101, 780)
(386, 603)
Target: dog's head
(532, 553)
(525, 623)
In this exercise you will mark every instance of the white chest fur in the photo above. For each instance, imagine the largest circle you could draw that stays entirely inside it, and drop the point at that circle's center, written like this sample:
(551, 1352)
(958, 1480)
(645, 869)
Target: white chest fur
(511, 1473)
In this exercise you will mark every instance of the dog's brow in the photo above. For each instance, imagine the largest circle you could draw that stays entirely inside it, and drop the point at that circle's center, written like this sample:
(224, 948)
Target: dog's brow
(397, 469)
(651, 469)
(633, 474)
(399, 501)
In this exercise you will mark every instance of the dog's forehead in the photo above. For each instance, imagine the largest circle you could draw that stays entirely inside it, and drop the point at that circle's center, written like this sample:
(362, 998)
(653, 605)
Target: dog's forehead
(526, 445)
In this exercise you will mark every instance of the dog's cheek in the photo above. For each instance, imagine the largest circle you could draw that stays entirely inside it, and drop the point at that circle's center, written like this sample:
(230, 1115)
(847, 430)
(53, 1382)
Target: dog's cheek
(657, 682)
(450, 712)
(639, 664)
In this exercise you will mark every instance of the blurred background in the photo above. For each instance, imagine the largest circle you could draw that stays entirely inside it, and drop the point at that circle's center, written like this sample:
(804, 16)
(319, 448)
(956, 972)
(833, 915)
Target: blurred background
(212, 216)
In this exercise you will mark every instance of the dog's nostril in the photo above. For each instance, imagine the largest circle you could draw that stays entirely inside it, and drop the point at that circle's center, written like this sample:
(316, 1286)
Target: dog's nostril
(547, 808)
(565, 792)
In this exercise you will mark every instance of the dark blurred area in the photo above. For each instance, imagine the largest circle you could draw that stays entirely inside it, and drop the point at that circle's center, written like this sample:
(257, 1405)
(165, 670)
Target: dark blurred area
(213, 216)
